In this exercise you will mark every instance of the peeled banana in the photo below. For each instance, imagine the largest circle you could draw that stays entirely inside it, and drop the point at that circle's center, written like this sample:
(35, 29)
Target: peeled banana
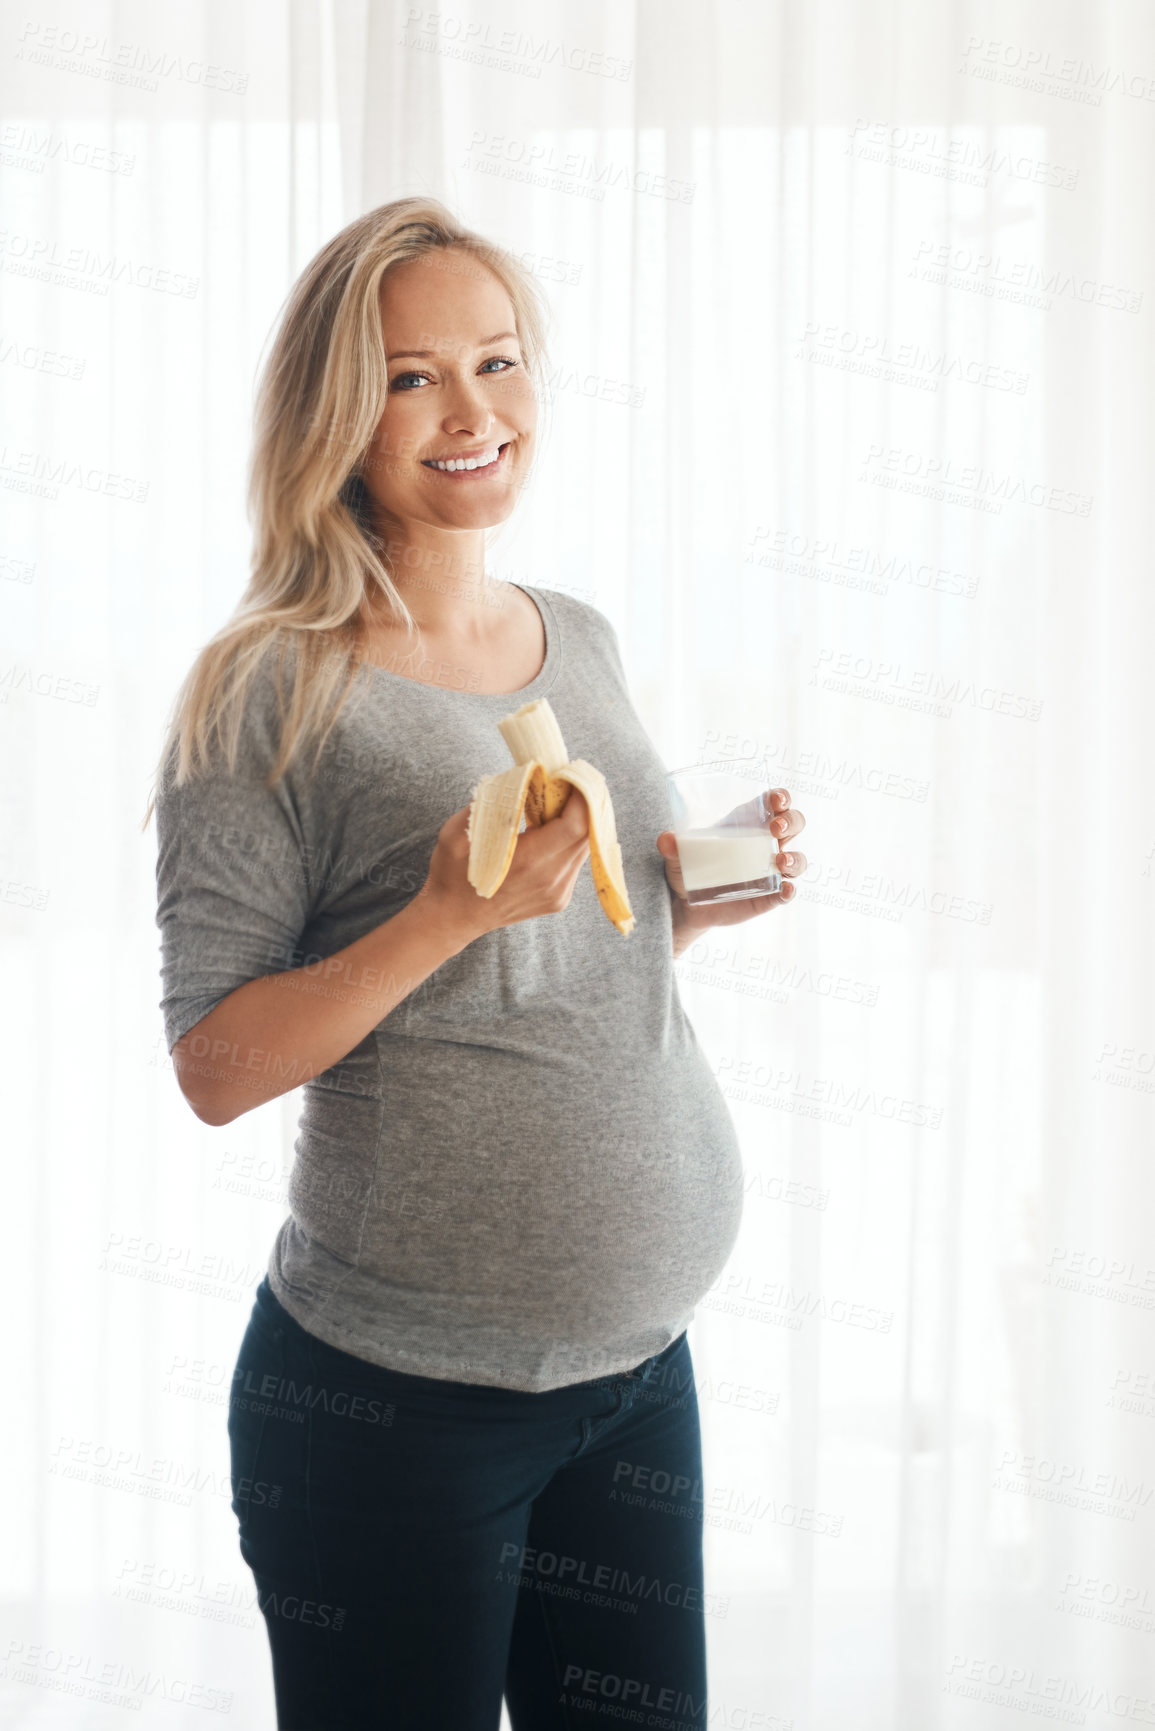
(538, 786)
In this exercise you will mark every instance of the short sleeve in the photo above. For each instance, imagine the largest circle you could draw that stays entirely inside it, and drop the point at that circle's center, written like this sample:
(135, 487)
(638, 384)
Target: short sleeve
(233, 895)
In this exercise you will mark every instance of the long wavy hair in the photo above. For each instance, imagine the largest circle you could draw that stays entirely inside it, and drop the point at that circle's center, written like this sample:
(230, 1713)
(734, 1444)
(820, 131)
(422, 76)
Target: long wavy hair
(316, 558)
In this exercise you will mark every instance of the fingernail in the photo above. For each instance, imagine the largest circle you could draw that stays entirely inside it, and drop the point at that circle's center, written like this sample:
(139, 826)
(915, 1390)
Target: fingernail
(789, 858)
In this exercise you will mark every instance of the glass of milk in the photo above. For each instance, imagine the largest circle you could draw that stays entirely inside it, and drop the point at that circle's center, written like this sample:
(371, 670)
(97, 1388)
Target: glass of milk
(722, 828)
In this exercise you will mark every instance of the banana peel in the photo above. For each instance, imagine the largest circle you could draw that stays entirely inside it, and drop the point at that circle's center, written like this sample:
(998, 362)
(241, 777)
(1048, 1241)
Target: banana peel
(537, 786)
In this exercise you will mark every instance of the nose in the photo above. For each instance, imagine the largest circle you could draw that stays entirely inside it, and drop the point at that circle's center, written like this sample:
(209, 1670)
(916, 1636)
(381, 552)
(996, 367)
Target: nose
(467, 411)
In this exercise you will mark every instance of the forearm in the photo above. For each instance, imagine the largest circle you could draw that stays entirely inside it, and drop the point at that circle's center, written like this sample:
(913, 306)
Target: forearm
(273, 1034)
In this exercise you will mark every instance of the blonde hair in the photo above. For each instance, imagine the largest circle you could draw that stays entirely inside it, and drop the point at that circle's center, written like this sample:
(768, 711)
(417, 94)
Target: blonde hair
(316, 559)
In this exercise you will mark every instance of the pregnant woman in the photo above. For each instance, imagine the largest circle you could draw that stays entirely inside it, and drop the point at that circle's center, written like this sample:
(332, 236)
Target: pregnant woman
(515, 1174)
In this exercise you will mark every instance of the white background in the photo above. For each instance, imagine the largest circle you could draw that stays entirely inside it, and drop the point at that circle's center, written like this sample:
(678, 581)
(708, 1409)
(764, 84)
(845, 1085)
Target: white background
(874, 514)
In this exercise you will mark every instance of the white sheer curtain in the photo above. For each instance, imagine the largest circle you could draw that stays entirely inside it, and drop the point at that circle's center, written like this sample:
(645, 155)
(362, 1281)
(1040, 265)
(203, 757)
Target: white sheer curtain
(852, 442)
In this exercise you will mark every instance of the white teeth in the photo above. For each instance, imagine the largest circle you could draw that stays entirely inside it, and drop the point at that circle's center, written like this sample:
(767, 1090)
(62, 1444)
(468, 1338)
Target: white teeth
(456, 463)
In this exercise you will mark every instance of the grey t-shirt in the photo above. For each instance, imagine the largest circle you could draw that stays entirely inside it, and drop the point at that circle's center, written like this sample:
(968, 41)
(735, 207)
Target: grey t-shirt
(526, 1175)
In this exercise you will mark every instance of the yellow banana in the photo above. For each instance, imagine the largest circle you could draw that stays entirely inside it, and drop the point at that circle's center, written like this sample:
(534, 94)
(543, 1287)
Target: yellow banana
(537, 787)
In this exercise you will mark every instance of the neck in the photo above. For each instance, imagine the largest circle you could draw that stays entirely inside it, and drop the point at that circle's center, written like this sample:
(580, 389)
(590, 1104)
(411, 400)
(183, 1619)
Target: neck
(445, 589)
(442, 581)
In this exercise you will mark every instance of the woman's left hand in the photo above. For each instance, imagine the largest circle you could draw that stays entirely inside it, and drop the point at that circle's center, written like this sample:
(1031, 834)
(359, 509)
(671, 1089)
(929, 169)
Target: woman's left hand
(785, 823)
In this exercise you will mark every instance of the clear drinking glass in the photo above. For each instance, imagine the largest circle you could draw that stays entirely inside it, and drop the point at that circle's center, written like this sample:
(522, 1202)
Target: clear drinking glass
(722, 827)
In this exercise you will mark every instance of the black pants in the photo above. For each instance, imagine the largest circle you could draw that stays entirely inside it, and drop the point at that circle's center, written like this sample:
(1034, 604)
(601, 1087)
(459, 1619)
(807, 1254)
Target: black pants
(421, 1547)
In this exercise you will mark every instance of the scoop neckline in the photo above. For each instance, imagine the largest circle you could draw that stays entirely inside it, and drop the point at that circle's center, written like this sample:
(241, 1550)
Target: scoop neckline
(537, 686)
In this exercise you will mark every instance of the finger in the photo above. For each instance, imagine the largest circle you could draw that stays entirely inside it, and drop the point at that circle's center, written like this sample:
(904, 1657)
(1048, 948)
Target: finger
(776, 800)
(783, 896)
(576, 808)
(791, 824)
(751, 906)
(576, 869)
(668, 848)
(791, 865)
(744, 910)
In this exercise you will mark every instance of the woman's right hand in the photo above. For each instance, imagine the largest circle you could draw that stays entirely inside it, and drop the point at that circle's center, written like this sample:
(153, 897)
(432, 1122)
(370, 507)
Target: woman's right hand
(541, 877)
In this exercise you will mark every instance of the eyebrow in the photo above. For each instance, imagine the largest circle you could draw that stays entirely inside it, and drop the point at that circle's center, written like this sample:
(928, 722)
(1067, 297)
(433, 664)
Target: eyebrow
(427, 354)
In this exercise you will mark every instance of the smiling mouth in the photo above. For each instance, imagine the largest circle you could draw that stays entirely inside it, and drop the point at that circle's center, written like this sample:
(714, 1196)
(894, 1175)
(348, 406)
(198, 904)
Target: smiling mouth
(487, 462)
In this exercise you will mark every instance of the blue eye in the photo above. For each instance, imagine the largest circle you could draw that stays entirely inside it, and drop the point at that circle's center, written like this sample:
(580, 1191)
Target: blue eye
(494, 360)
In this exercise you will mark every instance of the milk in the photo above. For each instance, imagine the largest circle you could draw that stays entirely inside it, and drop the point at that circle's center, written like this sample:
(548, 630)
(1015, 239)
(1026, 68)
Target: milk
(719, 859)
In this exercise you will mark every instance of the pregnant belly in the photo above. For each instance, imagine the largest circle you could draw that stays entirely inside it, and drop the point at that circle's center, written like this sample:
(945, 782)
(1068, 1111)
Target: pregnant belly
(556, 1212)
